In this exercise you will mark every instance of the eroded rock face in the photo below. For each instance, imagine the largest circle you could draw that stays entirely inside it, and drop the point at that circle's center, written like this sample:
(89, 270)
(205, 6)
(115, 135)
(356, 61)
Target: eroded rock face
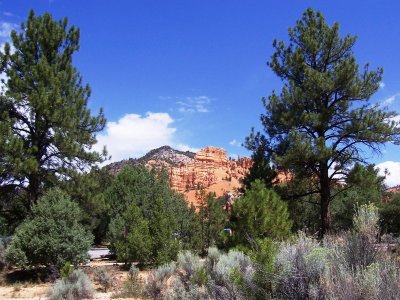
(208, 169)
(389, 192)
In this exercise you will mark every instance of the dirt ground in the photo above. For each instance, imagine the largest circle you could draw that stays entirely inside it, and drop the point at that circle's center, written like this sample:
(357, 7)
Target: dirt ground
(36, 291)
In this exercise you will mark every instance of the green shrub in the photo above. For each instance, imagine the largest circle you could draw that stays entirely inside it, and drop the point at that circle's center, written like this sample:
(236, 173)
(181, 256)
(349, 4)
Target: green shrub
(380, 280)
(264, 254)
(52, 236)
(299, 265)
(3, 262)
(213, 257)
(259, 214)
(189, 266)
(365, 221)
(15, 255)
(76, 286)
(102, 277)
(389, 213)
(66, 270)
(130, 235)
(144, 216)
(133, 287)
(157, 279)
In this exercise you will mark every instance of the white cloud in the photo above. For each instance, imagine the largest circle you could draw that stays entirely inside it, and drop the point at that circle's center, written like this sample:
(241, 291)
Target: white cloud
(8, 14)
(396, 119)
(6, 28)
(381, 85)
(5, 31)
(393, 178)
(3, 81)
(193, 104)
(3, 76)
(234, 142)
(389, 100)
(134, 135)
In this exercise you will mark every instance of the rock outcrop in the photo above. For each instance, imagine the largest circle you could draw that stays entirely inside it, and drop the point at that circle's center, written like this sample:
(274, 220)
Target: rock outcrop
(389, 193)
(209, 169)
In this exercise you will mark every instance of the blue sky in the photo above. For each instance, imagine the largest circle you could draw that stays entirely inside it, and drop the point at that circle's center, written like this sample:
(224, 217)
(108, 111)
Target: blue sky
(192, 73)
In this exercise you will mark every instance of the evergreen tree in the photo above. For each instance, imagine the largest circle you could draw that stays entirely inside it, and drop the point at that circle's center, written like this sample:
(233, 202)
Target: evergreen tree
(212, 218)
(131, 185)
(48, 129)
(130, 236)
(363, 186)
(52, 236)
(322, 119)
(163, 229)
(87, 189)
(188, 228)
(261, 168)
(389, 213)
(259, 214)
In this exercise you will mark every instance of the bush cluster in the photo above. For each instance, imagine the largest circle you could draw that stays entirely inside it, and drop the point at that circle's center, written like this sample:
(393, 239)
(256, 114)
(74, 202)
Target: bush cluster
(53, 234)
(133, 287)
(76, 286)
(218, 276)
(345, 266)
(102, 277)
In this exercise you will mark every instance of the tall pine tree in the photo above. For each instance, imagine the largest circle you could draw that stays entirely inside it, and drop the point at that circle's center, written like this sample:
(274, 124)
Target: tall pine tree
(323, 120)
(50, 130)
(262, 169)
(259, 214)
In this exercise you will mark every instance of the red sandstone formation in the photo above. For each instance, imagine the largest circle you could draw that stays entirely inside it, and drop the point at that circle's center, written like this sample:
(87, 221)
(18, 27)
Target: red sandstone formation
(389, 192)
(209, 169)
(393, 190)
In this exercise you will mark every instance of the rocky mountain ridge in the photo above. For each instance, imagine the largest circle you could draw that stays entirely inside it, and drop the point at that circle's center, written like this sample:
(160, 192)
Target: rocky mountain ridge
(208, 169)
(165, 156)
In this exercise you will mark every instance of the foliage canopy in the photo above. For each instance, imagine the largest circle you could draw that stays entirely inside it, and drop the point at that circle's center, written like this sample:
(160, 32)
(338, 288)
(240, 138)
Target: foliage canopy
(146, 216)
(260, 214)
(47, 130)
(52, 236)
(322, 120)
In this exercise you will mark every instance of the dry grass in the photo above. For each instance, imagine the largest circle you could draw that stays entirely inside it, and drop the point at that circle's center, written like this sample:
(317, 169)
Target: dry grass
(36, 291)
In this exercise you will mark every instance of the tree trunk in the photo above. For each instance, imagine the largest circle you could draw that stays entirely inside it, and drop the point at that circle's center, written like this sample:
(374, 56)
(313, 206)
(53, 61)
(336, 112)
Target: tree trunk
(33, 190)
(325, 194)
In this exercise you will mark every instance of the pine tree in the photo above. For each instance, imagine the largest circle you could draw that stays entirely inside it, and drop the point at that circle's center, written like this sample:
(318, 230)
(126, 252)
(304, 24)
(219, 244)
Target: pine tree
(87, 189)
(262, 168)
(162, 210)
(49, 130)
(323, 118)
(363, 186)
(52, 235)
(212, 218)
(130, 236)
(162, 226)
(259, 214)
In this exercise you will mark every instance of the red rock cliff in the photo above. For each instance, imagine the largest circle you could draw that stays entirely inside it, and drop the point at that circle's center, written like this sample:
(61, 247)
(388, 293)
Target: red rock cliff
(210, 169)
